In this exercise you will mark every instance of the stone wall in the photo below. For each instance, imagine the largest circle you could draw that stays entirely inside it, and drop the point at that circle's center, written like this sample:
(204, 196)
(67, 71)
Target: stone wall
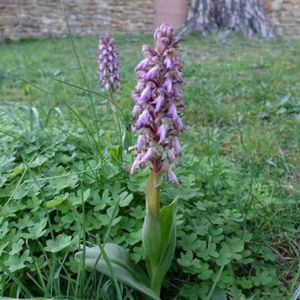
(42, 18)
(284, 15)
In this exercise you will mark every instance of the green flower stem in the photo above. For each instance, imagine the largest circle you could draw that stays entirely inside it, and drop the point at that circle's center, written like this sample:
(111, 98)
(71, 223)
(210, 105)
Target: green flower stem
(155, 285)
(153, 193)
(152, 241)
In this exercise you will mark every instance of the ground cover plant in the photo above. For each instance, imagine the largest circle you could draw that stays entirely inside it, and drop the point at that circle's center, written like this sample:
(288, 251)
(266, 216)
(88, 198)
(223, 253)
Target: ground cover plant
(64, 178)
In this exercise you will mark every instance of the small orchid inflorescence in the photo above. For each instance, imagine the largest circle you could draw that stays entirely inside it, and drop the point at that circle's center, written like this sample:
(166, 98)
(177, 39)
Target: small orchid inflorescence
(158, 104)
(108, 60)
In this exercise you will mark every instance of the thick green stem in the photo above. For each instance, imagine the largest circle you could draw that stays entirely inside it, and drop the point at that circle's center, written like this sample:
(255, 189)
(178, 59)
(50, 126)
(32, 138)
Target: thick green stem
(152, 229)
(155, 285)
(159, 233)
(153, 193)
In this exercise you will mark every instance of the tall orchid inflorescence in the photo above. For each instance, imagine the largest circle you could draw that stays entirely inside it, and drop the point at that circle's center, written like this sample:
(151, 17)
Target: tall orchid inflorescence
(108, 60)
(158, 104)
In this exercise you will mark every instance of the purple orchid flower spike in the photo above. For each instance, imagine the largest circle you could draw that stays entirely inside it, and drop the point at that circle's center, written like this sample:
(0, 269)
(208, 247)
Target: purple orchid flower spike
(108, 60)
(159, 105)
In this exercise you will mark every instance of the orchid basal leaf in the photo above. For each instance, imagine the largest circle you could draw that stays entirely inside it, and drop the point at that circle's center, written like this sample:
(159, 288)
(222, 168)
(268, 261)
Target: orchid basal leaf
(122, 267)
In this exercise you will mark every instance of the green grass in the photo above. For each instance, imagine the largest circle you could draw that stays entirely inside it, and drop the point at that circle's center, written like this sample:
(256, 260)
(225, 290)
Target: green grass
(240, 169)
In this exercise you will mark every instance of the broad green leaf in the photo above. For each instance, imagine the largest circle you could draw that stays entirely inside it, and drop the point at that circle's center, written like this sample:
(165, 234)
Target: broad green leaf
(57, 201)
(16, 247)
(167, 220)
(37, 229)
(3, 246)
(236, 245)
(61, 183)
(10, 209)
(23, 222)
(263, 278)
(29, 189)
(37, 232)
(61, 242)
(2, 181)
(205, 272)
(4, 230)
(86, 195)
(152, 239)
(225, 256)
(34, 203)
(168, 237)
(106, 197)
(16, 262)
(123, 268)
(219, 295)
(125, 199)
(211, 250)
(230, 251)
(187, 259)
(39, 161)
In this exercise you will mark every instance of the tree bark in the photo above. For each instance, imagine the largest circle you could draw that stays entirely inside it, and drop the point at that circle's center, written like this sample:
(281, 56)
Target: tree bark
(246, 16)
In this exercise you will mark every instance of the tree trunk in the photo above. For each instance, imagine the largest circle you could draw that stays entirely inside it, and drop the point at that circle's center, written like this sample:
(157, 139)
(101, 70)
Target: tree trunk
(246, 16)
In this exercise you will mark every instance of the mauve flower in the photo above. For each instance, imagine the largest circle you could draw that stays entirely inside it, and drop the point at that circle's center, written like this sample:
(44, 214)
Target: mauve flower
(168, 85)
(159, 101)
(143, 119)
(140, 142)
(158, 105)
(143, 64)
(176, 145)
(108, 61)
(172, 177)
(162, 132)
(152, 73)
(136, 110)
(147, 156)
(172, 112)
